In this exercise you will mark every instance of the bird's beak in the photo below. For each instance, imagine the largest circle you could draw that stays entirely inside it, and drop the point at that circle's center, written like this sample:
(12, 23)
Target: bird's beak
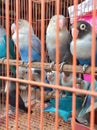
(74, 32)
(61, 24)
(13, 28)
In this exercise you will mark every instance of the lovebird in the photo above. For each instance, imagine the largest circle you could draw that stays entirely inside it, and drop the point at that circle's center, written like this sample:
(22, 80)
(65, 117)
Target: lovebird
(3, 49)
(86, 106)
(83, 44)
(12, 54)
(23, 40)
(12, 98)
(64, 41)
(64, 80)
(67, 80)
(35, 76)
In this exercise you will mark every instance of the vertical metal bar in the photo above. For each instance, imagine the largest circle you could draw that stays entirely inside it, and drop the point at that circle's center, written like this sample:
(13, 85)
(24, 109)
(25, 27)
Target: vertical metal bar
(30, 42)
(93, 51)
(11, 14)
(61, 4)
(52, 12)
(42, 62)
(64, 13)
(35, 7)
(39, 17)
(3, 14)
(57, 62)
(14, 9)
(74, 66)
(19, 3)
(24, 16)
(26, 12)
(17, 59)
(7, 49)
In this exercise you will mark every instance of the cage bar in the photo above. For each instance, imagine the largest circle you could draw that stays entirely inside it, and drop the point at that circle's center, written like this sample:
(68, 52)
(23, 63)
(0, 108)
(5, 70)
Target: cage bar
(38, 14)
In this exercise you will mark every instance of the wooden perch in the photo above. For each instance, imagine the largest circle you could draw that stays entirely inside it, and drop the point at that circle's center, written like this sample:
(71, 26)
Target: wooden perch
(66, 68)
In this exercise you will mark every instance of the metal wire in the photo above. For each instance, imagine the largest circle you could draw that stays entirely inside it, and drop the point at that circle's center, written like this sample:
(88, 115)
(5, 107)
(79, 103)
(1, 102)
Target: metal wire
(38, 13)
(93, 66)
(7, 42)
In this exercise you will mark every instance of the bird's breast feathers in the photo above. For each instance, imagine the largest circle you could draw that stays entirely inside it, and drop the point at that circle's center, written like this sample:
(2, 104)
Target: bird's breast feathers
(51, 38)
(83, 47)
(22, 40)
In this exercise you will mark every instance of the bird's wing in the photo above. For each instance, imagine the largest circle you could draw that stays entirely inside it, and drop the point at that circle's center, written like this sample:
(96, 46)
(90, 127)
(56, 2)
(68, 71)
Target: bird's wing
(12, 55)
(36, 45)
(12, 49)
(85, 107)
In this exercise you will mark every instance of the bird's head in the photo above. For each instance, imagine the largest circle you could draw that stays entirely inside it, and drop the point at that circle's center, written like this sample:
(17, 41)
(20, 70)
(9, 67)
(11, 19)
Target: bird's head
(51, 76)
(22, 72)
(2, 31)
(83, 29)
(24, 29)
(62, 22)
(23, 26)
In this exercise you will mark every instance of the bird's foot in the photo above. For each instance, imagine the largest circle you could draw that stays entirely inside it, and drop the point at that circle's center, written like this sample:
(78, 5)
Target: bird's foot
(61, 94)
(3, 59)
(22, 63)
(52, 65)
(61, 66)
(85, 67)
(11, 110)
(51, 93)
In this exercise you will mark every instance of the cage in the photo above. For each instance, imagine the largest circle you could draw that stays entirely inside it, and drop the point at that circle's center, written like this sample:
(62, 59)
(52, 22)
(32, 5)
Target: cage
(47, 104)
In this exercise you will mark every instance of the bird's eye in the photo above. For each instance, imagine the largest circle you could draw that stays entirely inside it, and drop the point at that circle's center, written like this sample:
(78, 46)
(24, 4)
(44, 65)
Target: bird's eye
(82, 26)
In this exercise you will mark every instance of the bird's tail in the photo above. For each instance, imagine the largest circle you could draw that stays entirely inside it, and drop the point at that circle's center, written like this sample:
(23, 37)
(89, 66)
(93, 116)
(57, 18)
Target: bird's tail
(82, 113)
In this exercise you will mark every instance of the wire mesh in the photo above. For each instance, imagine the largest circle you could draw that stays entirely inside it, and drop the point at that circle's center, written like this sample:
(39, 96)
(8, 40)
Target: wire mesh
(38, 14)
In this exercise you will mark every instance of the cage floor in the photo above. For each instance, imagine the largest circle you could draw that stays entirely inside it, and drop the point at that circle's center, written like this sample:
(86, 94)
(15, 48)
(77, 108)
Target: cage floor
(49, 119)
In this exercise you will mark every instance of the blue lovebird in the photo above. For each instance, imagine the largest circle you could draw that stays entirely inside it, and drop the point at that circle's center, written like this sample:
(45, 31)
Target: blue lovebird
(24, 41)
(12, 54)
(23, 34)
(83, 44)
(2, 42)
(86, 107)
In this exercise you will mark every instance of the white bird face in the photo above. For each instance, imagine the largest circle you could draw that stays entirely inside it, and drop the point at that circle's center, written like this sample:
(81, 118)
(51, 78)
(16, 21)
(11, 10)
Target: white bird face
(62, 22)
(23, 32)
(23, 73)
(23, 25)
